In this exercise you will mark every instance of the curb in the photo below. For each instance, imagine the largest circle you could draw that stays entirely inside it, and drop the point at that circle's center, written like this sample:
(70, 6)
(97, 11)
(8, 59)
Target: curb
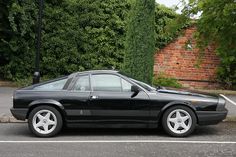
(7, 84)
(230, 119)
(10, 119)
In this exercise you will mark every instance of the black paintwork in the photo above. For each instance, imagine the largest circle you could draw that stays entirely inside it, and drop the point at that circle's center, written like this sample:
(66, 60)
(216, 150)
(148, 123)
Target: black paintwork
(116, 109)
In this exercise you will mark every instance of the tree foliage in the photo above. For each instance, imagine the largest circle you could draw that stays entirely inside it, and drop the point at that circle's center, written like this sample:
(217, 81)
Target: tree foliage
(4, 31)
(18, 42)
(77, 35)
(217, 26)
(163, 16)
(140, 40)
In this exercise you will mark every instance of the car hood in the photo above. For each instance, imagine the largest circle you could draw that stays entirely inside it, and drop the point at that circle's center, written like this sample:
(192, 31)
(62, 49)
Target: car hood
(186, 92)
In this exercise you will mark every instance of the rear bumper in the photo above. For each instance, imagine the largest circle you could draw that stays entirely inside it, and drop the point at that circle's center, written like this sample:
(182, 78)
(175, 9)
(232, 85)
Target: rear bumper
(19, 113)
(211, 117)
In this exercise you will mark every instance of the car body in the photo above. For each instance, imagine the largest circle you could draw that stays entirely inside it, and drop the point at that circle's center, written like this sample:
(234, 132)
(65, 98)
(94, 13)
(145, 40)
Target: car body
(106, 98)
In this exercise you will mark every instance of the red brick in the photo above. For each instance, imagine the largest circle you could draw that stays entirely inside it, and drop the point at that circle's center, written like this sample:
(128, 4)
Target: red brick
(177, 62)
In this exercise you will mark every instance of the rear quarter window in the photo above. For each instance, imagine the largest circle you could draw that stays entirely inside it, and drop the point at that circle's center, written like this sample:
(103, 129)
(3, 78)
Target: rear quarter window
(55, 85)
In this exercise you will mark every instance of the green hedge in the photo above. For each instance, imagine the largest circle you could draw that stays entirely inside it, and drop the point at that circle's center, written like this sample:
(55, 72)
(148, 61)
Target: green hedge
(140, 40)
(163, 80)
(77, 35)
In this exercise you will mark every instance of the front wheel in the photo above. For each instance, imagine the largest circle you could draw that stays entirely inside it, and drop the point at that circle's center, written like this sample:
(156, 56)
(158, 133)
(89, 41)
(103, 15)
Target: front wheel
(45, 121)
(179, 121)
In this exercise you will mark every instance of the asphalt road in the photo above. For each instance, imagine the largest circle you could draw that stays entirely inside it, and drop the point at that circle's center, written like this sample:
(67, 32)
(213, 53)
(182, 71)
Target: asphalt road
(218, 140)
(6, 102)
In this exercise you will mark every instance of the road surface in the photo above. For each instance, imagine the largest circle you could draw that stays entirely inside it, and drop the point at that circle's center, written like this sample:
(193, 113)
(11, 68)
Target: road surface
(218, 140)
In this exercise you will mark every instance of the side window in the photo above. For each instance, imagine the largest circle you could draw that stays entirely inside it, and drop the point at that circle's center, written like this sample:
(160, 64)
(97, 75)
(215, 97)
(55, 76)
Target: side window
(106, 82)
(126, 86)
(55, 85)
(82, 84)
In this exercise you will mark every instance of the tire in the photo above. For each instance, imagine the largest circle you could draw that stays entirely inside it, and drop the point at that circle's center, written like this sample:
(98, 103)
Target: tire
(45, 121)
(179, 121)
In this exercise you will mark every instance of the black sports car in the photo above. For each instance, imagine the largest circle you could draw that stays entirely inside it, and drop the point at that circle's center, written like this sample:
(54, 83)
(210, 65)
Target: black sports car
(104, 98)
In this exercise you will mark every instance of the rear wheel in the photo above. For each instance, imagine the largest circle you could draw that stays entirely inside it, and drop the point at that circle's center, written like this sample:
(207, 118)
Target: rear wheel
(45, 121)
(179, 121)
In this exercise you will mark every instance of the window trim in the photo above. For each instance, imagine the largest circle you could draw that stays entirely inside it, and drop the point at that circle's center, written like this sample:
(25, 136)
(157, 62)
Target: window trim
(122, 84)
(134, 83)
(75, 76)
(121, 91)
(52, 81)
(72, 88)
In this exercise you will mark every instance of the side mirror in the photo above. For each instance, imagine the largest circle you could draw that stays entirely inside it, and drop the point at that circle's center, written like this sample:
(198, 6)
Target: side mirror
(135, 90)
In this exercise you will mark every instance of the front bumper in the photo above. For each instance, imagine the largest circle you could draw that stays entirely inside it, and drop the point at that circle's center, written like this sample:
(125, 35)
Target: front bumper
(19, 113)
(211, 117)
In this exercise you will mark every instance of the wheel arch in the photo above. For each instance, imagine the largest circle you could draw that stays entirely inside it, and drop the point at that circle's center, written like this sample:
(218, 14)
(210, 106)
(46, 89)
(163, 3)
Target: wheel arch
(176, 103)
(47, 102)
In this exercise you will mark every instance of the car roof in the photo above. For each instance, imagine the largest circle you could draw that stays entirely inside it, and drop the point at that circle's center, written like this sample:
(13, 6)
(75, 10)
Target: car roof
(94, 72)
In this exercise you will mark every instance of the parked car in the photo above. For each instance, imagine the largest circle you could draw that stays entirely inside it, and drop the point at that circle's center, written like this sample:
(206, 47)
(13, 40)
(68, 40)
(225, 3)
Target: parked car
(104, 98)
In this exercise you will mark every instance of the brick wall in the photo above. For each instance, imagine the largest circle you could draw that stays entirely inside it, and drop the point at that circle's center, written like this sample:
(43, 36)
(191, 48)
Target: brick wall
(183, 61)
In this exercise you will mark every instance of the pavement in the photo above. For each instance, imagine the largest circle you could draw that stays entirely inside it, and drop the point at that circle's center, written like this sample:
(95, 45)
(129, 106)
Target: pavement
(218, 140)
(6, 100)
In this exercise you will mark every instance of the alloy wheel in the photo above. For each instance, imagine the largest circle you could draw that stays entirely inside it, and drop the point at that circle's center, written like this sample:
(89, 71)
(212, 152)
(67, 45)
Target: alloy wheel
(44, 121)
(179, 121)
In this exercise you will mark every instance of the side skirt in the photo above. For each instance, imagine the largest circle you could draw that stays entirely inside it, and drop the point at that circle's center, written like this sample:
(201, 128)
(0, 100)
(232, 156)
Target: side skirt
(110, 124)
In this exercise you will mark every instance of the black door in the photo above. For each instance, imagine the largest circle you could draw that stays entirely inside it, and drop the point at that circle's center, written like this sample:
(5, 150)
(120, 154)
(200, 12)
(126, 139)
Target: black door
(77, 99)
(111, 101)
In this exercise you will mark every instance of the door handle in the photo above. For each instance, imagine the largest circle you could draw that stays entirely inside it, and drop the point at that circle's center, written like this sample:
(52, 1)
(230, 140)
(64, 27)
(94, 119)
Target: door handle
(94, 97)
